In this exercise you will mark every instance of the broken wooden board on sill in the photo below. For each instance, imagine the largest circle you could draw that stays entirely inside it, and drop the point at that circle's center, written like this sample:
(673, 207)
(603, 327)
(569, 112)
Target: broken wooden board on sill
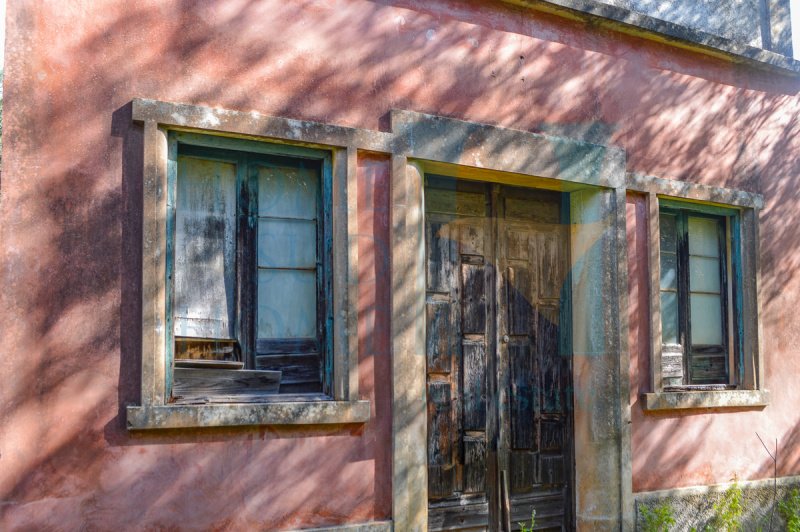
(199, 363)
(205, 385)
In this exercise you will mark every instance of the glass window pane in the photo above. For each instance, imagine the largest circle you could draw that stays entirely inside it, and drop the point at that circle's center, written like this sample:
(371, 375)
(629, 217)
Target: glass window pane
(704, 274)
(669, 271)
(667, 232)
(286, 243)
(205, 248)
(669, 318)
(703, 236)
(287, 304)
(706, 315)
(287, 192)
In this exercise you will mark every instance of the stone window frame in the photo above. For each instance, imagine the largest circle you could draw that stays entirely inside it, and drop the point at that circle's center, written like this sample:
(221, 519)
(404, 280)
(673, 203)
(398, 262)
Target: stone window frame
(750, 389)
(155, 410)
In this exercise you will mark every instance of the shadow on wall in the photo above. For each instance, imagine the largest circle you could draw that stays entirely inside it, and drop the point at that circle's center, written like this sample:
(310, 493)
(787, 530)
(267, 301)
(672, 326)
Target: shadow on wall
(71, 218)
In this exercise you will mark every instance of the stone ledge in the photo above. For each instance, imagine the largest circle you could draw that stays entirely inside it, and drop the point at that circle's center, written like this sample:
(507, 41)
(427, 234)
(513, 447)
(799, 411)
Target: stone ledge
(652, 28)
(237, 415)
(693, 191)
(243, 124)
(439, 139)
(375, 526)
(705, 399)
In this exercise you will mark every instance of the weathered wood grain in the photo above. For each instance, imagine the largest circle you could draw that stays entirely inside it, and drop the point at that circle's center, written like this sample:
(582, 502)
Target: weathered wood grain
(286, 346)
(550, 505)
(708, 368)
(551, 469)
(440, 423)
(205, 248)
(532, 209)
(523, 471)
(441, 338)
(474, 464)
(552, 363)
(441, 434)
(473, 299)
(519, 300)
(441, 256)
(455, 202)
(467, 513)
(220, 385)
(295, 368)
(205, 349)
(474, 385)
(208, 364)
(551, 269)
(551, 435)
(471, 238)
(522, 392)
(672, 364)
(517, 245)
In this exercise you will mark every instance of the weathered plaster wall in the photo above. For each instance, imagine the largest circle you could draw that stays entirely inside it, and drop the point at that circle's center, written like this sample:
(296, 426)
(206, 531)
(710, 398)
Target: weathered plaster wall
(70, 201)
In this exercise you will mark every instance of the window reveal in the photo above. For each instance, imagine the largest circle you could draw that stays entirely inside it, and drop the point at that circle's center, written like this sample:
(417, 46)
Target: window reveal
(696, 298)
(249, 311)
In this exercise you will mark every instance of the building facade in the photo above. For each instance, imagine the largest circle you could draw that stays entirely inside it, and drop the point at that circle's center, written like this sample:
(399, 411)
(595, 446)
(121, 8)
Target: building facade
(397, 265)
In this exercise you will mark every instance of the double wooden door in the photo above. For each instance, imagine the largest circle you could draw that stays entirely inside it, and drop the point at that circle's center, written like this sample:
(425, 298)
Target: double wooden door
(498, 357)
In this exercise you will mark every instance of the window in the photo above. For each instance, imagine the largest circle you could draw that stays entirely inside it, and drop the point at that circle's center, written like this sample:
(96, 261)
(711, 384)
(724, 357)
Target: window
(249, 262)
(250, 311)
(705, 343)
(697, 294)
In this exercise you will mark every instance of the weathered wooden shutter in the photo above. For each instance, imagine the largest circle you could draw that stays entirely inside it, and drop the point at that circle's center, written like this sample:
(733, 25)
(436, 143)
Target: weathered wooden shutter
(672, 348)
(205, 249)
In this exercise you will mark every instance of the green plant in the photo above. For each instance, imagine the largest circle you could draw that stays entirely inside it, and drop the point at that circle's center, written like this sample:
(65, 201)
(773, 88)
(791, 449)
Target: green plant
(658, 518)
(790, 510)
(526, 528)
(728, 511)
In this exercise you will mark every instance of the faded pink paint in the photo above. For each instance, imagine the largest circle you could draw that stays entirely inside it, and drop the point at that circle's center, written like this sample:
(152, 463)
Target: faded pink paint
(70, 230)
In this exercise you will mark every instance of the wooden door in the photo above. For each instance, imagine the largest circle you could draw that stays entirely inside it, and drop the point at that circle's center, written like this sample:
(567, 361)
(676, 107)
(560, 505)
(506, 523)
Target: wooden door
(498, 373)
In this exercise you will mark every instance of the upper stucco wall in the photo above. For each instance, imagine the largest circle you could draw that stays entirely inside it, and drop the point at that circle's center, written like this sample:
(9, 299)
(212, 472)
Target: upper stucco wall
(738, 20)
(754, 31)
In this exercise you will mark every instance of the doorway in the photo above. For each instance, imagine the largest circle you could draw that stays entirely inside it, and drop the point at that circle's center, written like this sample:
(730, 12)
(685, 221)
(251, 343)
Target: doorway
(498, 369)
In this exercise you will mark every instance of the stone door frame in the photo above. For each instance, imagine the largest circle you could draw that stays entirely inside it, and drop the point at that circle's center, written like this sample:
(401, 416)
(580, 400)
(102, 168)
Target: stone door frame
(594, 177)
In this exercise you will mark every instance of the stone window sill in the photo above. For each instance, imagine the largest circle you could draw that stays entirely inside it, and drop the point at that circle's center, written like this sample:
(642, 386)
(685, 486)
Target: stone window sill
(244, 414)
(718, 399)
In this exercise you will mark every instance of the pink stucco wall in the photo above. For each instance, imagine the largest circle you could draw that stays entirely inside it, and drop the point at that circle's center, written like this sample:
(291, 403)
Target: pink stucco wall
(70, 230)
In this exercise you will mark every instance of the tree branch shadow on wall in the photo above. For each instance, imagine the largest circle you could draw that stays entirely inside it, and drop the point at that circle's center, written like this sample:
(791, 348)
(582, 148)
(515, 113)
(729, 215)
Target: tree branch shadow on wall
(75, 283)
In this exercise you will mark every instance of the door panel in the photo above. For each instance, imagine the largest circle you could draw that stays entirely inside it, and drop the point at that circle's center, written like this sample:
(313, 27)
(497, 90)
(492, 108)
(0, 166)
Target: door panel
(496, 368)
(458, 275)
(532, 256)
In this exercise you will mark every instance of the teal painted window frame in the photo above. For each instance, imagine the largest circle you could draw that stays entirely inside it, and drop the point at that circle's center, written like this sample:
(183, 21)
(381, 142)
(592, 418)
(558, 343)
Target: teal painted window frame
(244, 152)
(730, 283)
